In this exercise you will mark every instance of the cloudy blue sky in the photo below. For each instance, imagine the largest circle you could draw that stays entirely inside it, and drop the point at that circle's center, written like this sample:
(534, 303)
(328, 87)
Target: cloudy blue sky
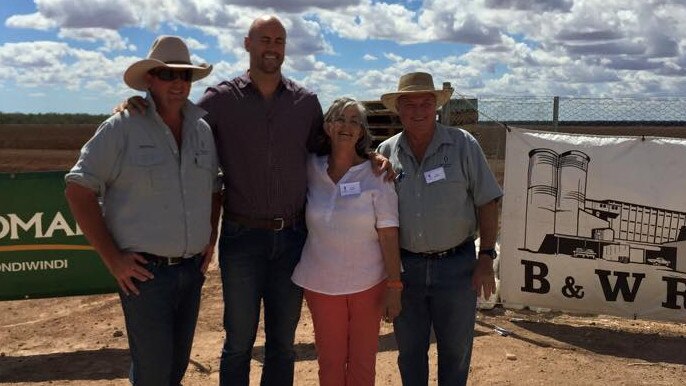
(69, 55)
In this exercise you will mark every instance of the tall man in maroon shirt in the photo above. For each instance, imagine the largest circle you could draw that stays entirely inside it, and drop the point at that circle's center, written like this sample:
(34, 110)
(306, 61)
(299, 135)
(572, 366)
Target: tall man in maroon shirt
(264, 125)
(262, 122)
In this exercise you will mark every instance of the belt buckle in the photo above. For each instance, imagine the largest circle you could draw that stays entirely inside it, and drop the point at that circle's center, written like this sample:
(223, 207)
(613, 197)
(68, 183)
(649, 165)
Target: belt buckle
(172, 261)
(441, 254)
(281, 226)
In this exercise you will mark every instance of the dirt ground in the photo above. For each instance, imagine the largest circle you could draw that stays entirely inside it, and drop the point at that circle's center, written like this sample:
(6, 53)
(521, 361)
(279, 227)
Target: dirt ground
(82, 340)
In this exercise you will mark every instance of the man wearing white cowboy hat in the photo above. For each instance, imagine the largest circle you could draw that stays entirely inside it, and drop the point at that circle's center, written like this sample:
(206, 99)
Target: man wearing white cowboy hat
(156, 175)
(446, 192)
(264, 124)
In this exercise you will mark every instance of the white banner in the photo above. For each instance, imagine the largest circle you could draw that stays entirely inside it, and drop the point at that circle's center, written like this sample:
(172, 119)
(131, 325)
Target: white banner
(595, 224)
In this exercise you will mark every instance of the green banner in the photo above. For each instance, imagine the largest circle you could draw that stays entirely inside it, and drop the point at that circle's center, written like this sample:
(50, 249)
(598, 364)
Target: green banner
(43, 253)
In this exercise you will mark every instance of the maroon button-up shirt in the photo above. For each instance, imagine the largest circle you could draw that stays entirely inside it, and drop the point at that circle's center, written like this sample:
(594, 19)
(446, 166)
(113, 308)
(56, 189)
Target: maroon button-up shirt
(263, 145)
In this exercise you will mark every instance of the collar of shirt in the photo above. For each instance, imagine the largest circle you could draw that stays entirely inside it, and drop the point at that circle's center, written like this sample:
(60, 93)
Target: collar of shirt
(245, 80)
(191, 115)
(191, 112)
(440, 137)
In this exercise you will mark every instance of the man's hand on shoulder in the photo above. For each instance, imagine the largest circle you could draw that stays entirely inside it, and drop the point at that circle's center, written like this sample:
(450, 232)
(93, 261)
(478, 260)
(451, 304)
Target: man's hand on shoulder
(134, 105)
(380, 165)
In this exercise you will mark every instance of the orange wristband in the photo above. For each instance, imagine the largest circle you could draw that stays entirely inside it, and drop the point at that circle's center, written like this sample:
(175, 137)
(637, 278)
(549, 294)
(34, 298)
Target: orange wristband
(394, 284)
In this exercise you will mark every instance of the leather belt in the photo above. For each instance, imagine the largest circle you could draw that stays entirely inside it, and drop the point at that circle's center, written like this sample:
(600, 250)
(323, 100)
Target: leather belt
(274, 224)
(439, 254)
(164, 261)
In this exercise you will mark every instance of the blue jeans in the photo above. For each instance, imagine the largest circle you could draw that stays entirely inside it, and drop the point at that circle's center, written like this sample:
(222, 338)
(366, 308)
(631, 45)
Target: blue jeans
(160, 322)
(256, 265)
(437, 292)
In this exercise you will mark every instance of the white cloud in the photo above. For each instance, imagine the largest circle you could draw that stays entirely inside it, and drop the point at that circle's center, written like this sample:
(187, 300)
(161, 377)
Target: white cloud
(56, 64)
(374, 21)
(204, 13)
(110, 14)
(531, 5)
(228, 41)
(32, 21)
(305, 37)
(194, 44)
(295, 5)
(496, 47)
(446, 69)
(220, 72)
(97, 85)
(111, 38)
(459, 26)
(392, 56)
(27, 56)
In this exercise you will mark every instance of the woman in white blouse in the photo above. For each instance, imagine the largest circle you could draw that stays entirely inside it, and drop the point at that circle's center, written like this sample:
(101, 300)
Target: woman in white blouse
(350, 265)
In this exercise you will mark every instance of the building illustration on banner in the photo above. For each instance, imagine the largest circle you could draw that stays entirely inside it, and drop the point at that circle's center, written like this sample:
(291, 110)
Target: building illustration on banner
(585, 228)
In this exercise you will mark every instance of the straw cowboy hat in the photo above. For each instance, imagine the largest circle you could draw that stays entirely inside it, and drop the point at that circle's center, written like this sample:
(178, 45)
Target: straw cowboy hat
(167, 51)
(415, 83)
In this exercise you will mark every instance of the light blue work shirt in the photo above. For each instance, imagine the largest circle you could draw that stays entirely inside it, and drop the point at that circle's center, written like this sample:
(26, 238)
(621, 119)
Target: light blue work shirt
(155, 197)
(439, 211)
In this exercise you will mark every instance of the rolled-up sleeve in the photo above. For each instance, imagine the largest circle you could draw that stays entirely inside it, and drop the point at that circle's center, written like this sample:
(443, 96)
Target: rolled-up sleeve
(99, 159)
(482, 183)
(386, 206)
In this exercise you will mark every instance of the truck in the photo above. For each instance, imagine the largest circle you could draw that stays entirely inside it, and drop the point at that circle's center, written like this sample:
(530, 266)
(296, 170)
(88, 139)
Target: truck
(658, 261)
(584, 253)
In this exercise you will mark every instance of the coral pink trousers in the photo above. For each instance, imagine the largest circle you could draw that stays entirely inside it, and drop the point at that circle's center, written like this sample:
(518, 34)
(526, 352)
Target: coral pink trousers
(346, 334)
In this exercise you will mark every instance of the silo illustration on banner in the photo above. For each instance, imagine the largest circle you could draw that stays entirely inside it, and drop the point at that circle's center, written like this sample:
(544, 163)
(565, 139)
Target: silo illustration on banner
(587, 227)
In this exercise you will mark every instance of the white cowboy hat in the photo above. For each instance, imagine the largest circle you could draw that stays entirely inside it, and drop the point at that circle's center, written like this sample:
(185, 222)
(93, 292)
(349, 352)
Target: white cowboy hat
(166, 51)
(415, 83)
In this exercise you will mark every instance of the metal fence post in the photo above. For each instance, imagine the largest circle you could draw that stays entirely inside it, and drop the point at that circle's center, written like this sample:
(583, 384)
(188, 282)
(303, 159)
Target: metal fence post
(556, 112)
(445, 110)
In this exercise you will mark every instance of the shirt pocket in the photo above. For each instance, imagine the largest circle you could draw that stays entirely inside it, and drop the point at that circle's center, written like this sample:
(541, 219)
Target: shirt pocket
(451, 192)
(455, 175)
(147, 155)
(203, 175)
(203, 160)
(152, 174)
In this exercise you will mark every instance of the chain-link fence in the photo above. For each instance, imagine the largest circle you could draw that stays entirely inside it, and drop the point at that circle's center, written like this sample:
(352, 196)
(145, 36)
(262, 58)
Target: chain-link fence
(487, 118)
(564, 110)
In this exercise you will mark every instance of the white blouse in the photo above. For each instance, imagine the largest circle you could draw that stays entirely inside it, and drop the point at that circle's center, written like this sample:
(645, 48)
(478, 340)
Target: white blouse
(342, 254)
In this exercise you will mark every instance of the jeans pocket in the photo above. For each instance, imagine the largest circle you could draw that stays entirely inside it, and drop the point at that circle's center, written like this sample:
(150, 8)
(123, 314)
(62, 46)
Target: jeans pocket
(197, 264)
(455, 272)
(414, 270)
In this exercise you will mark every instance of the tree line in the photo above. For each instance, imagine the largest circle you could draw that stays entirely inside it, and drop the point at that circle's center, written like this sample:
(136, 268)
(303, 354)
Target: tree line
(51, 118)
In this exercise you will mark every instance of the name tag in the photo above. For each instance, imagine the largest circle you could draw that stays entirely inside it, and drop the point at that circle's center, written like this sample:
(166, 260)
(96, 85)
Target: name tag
(350, 189)
(434, 175)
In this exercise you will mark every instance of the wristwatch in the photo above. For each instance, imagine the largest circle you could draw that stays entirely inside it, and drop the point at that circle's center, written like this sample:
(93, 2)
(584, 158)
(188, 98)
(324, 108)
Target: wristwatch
(489, 252)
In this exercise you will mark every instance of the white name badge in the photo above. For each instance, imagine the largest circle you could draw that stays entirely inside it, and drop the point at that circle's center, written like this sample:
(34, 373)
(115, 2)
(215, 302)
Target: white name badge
(351, 188)
(434, 175)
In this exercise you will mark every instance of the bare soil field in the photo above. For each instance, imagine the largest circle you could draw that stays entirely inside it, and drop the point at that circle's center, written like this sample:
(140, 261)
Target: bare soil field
(82, 340)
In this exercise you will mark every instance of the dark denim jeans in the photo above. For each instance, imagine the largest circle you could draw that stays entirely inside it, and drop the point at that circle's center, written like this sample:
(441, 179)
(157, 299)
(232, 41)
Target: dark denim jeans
(160, 322)
(256, 265)
(437, 292)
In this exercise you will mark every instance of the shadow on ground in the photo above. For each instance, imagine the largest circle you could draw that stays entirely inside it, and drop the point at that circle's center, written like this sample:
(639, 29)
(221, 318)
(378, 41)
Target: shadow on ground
(308, 352)
(649, 347)
(87, 365)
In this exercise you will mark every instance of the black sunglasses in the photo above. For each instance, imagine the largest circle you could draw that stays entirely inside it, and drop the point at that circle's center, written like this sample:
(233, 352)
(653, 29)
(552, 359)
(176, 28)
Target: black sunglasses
(168, 75)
